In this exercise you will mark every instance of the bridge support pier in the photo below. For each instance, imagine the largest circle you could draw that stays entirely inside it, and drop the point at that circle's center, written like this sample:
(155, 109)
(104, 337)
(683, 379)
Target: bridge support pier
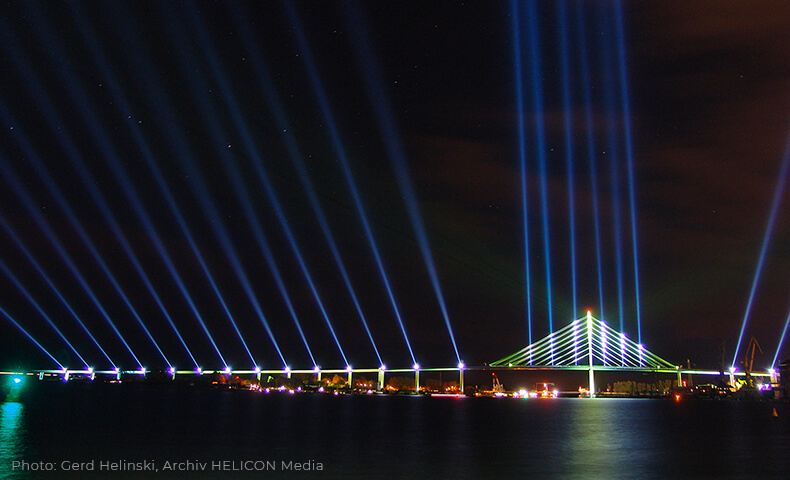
(416, 381)
(461, 378)
(680, 379)
(381, 380)
(590, 357)
(350, 385)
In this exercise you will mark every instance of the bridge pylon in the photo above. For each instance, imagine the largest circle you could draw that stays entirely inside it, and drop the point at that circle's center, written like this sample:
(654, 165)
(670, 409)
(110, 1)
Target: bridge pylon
(587, 344)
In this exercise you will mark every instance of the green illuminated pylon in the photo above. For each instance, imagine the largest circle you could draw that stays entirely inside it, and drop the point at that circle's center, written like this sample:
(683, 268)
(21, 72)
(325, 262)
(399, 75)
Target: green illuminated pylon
(586, 337)
(590, 353)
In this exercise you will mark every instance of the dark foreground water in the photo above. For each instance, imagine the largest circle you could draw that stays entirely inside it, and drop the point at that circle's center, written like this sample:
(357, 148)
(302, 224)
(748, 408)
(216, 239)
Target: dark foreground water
(378, 437)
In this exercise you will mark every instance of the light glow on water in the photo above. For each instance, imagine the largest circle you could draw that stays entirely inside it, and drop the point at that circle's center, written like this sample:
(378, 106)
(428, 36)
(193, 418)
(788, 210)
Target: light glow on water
(579, 438)
(12, 434)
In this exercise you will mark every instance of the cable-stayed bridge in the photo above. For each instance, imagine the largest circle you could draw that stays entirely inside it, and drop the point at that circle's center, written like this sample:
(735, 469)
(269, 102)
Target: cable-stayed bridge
(586, 344)
(590, 344)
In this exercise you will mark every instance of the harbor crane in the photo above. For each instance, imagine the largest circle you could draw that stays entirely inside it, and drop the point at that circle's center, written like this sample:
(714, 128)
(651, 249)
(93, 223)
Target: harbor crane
(748, 360)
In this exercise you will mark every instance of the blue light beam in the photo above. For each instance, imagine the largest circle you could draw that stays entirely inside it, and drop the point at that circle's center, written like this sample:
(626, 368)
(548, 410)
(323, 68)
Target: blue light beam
(118, 171)
(562, 15)
(386, 121)
(209, 114)
(614, 161)
(626, 106)
(27, 199)
(340, 150)
(591, 157)
(264, 79)
(276, 107)
(154, 91)
(540, 146)
(522, 150)
(29, 337)
(781, 341)
(249, 144)
(40, 310)
(63, 203)
(52, 286)
(777, 200)
(37, 91)
(122, 177)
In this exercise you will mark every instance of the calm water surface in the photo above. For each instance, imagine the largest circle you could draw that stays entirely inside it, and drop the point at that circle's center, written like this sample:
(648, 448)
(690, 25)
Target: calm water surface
(383, 437)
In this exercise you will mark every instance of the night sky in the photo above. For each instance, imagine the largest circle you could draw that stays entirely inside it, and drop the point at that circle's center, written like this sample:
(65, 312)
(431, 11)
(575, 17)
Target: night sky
(92, 95)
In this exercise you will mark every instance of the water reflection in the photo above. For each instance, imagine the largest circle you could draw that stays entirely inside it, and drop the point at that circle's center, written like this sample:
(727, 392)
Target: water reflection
(606, 437)
(12, 442)
(394, 437)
